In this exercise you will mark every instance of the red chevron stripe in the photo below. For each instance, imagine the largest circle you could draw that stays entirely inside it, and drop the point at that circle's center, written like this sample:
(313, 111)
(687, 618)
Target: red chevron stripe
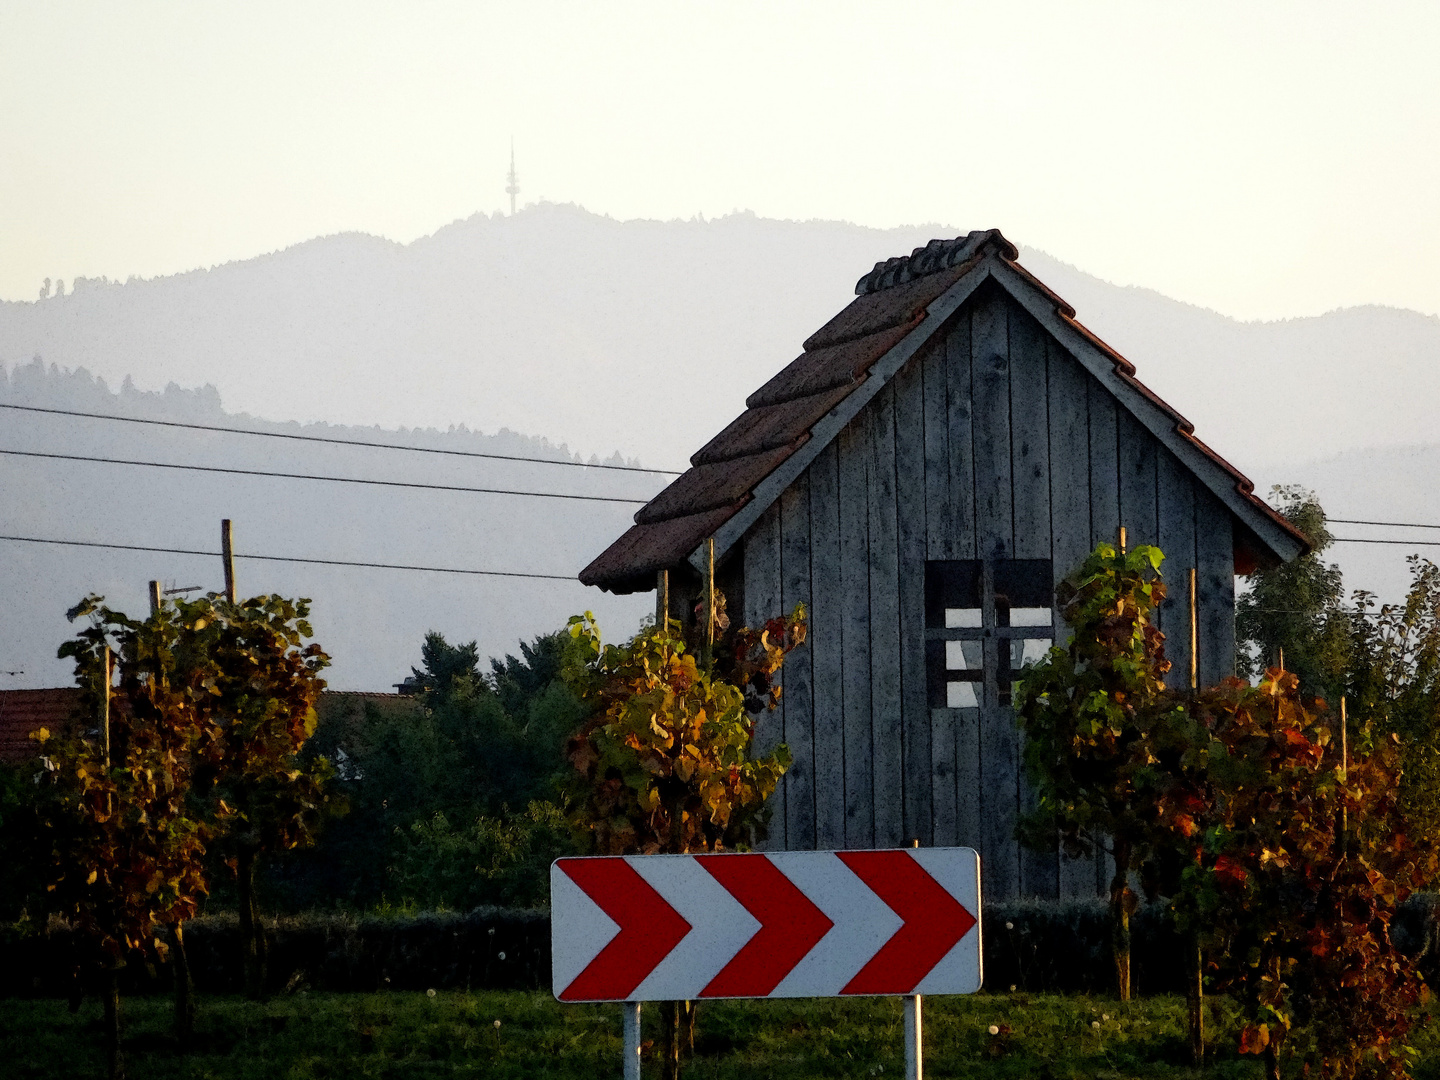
(934, 921)
(790, 925)
(649, 929)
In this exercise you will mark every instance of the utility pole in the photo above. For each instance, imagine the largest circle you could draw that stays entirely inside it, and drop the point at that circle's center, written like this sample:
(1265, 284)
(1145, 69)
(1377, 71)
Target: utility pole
(227, 553)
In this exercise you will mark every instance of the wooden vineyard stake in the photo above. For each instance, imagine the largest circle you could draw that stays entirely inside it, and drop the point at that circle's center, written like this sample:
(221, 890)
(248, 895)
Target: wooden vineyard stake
(1122, 538)
(1194, 635)
(709, 599)
(227, 553)
(662, 600)
(154, 598)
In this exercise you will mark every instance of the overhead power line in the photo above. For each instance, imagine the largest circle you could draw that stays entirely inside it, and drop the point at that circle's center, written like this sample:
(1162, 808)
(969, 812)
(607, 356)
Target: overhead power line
(1392, 524)
(327, 479)
(333, 441)
(289, 559)
(1376, 540)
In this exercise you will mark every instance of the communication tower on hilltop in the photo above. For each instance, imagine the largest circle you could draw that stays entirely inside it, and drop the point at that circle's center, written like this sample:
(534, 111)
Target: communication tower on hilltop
(513, 187)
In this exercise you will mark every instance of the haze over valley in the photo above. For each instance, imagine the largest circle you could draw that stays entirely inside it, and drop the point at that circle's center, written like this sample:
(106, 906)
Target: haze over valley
(591, 338)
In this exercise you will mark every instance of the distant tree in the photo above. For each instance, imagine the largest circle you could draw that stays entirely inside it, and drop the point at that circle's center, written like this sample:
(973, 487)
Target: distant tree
(1394, 684)
(45, 289)
(442, 773)
(1298, 606)
(445, 665)
(517, 681)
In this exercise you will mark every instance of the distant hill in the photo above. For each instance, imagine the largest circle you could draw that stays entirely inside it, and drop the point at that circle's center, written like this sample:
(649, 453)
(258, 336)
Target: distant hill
(370, 620)
(641, 338)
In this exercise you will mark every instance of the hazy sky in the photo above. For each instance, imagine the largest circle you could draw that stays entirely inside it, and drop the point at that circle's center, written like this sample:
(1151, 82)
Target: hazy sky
(1266, 160)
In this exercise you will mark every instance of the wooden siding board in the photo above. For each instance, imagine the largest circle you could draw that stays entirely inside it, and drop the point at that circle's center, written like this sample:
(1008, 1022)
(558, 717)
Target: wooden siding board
(826, 647)
(1138, 450)
(885, 658)
(1215, 586)
(762, 598)
(994, 520)
(1030, 457)
(960, 407)
(968, 778)
(798, 697)
(1000, 803)
(1030, 468)
(939, 515)
(1104, 465)
(943, 792)
(1177, 540)
(910, 488)
(852, 450)
(995, 539)
(1070, 527)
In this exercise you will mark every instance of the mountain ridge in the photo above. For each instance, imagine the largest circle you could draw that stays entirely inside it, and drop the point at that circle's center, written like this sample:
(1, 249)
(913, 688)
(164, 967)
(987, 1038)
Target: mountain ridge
(604, 337)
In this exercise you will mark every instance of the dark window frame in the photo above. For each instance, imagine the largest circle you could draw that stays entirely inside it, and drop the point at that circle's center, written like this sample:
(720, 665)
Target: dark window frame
(999, 586)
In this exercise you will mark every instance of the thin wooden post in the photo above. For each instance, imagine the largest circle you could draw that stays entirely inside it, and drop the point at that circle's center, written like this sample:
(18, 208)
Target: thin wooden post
(109, 668)
(115, 1059)
(154, 598)
(227, 553)
(109, 675)
(662, 599)
(709, 597)
(1194, 635)
(1122, 537)
(1344, 772)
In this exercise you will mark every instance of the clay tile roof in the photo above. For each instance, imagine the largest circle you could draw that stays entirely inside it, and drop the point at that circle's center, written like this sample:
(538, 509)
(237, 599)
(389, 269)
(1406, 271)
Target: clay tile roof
(891, 301)
(24, 711)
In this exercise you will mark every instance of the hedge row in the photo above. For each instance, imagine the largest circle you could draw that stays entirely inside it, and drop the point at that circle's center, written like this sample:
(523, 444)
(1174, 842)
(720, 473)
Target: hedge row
(1038, 946)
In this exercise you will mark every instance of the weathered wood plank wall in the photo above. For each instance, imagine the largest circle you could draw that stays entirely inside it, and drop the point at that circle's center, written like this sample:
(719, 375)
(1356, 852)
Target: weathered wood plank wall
(992, 442)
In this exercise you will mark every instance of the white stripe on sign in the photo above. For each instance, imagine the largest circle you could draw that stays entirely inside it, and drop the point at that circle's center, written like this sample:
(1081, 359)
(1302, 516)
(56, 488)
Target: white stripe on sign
(786, 924)
(863, 923)
(594, 929)
(721, 927)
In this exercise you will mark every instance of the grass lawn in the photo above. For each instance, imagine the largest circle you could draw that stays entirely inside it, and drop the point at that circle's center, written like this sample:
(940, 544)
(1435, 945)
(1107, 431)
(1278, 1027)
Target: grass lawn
(454, 1034)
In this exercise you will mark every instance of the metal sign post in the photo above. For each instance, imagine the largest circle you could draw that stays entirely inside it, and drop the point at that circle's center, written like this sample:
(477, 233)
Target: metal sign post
(630, 1039)
(902, 922)
(914, 1040)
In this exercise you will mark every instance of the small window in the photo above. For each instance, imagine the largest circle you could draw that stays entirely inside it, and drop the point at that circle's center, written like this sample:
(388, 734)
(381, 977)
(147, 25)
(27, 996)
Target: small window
(985, 621)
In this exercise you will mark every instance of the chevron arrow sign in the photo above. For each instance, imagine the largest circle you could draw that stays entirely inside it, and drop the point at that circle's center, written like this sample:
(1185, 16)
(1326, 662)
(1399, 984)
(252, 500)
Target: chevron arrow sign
(786, 924)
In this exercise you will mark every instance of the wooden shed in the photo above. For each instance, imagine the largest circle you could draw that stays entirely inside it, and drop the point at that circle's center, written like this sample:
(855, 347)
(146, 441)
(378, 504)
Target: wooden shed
(942, 453)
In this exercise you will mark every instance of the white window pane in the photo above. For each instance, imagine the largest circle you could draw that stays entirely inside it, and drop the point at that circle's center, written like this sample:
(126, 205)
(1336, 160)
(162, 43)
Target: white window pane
(957, 617)
(961, 695)
(1027, 651)
(1030, 616)
(964, 655)
(1035, 650)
